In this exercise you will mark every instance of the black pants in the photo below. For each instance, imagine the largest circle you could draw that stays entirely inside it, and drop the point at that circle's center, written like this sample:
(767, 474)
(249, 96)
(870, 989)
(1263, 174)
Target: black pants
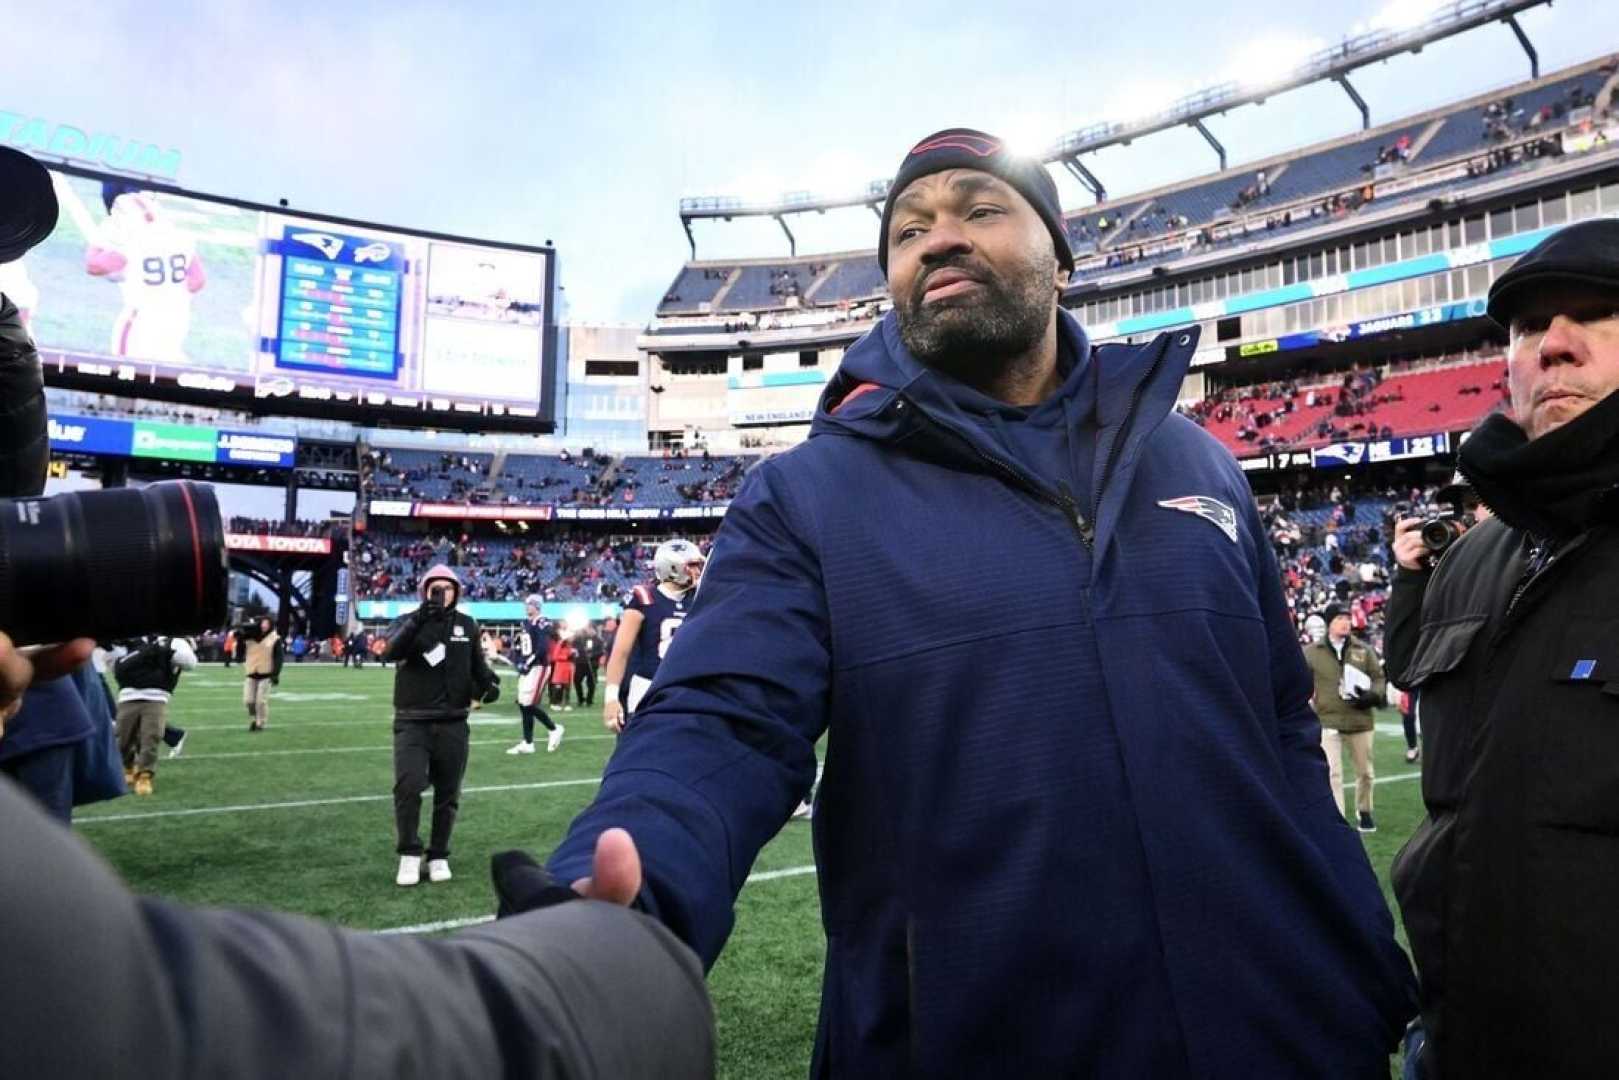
(428, 752)
(583, 674)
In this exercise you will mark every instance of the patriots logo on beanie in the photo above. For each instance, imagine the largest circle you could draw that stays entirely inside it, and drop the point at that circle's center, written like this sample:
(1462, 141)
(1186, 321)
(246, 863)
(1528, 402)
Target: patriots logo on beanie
(974, 142)
(965, 148)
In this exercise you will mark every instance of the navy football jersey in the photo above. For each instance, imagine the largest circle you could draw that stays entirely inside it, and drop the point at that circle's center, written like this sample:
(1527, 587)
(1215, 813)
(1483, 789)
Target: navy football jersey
(532, 645)
(661, 617)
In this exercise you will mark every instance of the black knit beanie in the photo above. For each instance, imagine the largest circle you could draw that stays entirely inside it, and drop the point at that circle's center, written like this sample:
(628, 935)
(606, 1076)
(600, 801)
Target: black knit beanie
(964, 148)
(27, 203)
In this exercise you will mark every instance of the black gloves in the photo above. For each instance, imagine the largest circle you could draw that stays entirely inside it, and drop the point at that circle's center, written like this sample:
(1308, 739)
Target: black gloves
(1366, 699)
(491, 693)
(430, 610)
(521, 884)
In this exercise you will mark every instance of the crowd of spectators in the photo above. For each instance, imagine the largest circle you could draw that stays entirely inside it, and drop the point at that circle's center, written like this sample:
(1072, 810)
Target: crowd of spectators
(1355, 397)
(571, 566)
(680, 476)
(1332, 547)
(458, 478)
(271, 527)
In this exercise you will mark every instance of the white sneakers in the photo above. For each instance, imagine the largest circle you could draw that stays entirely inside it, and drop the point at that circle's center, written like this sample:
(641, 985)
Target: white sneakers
(523, 748)
(805, 810)
(552, 741)
(410, 870)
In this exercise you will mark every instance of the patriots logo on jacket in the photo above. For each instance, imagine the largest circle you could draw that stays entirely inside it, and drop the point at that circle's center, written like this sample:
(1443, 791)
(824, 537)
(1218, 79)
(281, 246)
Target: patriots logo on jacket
(1210, 510)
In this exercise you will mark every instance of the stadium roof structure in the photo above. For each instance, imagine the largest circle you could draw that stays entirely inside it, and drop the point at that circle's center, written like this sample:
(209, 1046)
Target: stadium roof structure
(1333, 64)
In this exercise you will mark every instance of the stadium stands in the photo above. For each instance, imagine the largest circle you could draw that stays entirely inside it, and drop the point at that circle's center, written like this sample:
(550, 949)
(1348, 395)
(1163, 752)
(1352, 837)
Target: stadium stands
(425, 474)
(694, 287)
(1366, 404)
(1466, 132)
(1296, 191)
(573, 567)
(679, 481)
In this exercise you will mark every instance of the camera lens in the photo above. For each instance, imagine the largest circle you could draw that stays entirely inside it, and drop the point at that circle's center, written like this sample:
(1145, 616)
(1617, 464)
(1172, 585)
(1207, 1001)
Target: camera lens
(1440, 533)
(115, 563)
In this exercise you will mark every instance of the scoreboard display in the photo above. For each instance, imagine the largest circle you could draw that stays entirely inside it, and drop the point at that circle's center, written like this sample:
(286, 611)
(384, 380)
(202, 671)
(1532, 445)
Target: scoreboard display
(339, 305)
(149, 290)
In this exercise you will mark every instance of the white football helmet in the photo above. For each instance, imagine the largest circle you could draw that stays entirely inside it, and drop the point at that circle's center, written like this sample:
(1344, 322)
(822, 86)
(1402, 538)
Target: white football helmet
(673, 561)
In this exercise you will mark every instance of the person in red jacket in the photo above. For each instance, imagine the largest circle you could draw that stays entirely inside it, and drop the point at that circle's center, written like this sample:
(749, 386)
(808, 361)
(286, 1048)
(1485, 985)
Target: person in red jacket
(561, 673)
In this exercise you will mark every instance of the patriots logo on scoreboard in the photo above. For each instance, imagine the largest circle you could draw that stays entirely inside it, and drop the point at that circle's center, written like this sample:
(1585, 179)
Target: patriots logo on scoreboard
(1211, 510)
(373, 252)
(327, 244)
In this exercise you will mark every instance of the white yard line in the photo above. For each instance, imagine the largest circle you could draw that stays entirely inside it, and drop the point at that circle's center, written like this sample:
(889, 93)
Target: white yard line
(376, 749)
(479, 920)
(299, 804)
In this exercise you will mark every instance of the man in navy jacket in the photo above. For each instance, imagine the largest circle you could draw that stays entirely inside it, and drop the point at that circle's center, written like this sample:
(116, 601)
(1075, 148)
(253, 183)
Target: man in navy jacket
(1129, 864)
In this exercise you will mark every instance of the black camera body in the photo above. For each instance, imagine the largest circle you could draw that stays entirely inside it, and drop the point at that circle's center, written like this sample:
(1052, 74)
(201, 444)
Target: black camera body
(1444, 528)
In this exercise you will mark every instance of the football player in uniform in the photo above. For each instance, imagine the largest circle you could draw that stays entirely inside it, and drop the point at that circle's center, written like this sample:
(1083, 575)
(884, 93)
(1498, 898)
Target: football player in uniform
(648, 625)
(156, 265)
(532, 646)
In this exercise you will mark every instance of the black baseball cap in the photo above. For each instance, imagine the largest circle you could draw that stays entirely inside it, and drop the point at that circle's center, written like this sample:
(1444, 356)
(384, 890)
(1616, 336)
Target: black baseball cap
(1583, 254)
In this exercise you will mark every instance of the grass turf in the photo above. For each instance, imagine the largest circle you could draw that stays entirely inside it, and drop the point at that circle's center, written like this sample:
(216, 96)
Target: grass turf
(300, 818)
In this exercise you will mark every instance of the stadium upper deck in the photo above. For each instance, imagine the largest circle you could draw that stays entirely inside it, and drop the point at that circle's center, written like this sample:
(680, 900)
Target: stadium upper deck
(1478, 142)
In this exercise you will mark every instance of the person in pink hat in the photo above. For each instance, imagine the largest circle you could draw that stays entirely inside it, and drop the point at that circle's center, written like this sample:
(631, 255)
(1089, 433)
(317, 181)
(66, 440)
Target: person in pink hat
(439, 672)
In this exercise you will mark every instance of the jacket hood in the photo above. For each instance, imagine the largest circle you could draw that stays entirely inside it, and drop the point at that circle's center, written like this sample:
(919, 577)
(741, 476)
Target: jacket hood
(878, 368)
(441, 572)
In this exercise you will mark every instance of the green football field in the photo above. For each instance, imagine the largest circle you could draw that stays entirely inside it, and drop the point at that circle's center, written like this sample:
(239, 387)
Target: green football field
(300, 818)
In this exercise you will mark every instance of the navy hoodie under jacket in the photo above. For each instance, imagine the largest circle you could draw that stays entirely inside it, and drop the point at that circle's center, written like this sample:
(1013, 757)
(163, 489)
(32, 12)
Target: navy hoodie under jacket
(1075, 818)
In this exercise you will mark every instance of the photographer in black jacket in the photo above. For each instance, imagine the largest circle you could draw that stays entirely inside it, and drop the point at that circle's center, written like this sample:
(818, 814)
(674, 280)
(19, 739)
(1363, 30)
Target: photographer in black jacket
(440, 672)
(1510, 884)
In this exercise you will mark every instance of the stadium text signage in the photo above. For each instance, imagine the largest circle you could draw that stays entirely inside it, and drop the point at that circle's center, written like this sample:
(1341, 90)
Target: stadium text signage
(1347, 454)
(279, 545)
(40, 136)
(495, 611)
(496, 512)
(171, 442)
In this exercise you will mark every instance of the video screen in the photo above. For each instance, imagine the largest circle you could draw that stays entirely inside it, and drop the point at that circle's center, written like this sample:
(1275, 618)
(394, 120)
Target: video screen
(147, 283)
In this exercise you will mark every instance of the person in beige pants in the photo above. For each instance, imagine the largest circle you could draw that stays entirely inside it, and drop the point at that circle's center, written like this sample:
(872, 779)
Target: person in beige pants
(262, 666)
(1348, 686)
(147, 675)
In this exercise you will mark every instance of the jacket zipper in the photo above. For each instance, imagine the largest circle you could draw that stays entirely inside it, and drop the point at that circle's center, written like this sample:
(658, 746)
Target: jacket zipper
(1124, 433)
(1064, 501)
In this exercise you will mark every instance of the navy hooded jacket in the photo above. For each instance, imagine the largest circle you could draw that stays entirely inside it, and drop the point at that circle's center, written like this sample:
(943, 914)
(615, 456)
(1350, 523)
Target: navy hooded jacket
(1116, 855)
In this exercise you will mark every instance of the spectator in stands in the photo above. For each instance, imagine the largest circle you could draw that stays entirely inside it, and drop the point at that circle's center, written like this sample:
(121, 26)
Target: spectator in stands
(974, 415)
(1510, 883)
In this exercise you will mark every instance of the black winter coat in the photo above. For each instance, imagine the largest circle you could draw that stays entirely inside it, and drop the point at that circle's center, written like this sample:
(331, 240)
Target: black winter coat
(441, 670)
(1510, 886)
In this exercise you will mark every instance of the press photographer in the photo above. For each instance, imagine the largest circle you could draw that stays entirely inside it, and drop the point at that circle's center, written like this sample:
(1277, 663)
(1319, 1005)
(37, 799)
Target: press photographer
(263, 653)
(440, 672)
(1421, 538)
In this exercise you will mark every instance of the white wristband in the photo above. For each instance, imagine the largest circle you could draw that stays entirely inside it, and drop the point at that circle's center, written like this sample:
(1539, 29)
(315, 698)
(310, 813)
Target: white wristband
(610, 691)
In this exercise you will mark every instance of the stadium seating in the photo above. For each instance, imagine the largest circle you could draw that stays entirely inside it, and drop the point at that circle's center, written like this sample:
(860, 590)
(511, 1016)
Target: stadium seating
(560, 568)
(1448, 398)
(1309, 176)
(858, 278)
(693, 287)
(1464, 133)
(427, 474)
(670, 482)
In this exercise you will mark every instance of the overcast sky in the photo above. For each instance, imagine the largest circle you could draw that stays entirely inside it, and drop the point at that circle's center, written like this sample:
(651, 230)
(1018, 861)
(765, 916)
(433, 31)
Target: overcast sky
(585, 123)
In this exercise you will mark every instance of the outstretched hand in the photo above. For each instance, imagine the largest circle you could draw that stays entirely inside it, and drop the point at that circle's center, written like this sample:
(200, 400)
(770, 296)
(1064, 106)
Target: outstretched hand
(615, 873)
